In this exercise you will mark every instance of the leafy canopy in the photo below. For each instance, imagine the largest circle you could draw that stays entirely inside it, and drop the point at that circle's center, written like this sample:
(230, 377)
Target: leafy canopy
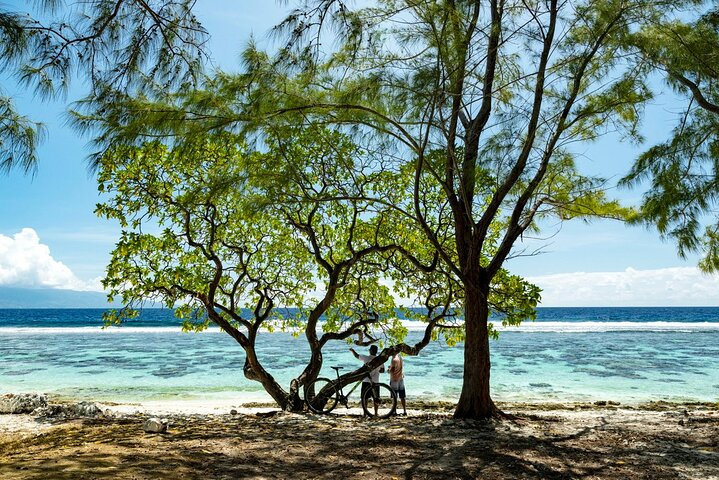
(683, 171)
(213, 224)
(115, 44)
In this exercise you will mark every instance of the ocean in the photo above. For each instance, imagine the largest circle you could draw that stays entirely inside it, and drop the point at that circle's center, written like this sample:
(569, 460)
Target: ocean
(630, 355)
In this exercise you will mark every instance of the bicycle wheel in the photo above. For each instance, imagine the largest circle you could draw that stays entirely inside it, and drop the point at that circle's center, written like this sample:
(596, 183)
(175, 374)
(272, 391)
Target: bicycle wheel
(319, 401)
(379, 401)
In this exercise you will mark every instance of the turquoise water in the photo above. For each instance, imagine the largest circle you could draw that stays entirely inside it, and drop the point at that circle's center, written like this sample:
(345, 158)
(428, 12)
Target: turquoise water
(628, 355)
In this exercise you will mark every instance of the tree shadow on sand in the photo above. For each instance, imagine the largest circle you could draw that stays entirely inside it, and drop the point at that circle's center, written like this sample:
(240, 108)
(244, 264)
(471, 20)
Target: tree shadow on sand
(307, 446)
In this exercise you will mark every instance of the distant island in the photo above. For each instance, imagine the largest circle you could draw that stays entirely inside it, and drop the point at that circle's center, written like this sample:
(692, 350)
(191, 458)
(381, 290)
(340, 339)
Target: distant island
(13, 297)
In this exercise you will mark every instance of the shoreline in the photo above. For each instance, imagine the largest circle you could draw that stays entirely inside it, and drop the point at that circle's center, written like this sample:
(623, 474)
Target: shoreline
(655, 440)
(209, 406)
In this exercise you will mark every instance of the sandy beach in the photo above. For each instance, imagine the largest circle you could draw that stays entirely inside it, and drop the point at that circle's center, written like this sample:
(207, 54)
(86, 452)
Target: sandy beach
(658, 440)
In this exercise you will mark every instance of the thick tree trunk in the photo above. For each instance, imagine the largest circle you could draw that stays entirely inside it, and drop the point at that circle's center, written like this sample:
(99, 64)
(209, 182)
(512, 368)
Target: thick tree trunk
(475, 401)
(308, 376)
(253, 370)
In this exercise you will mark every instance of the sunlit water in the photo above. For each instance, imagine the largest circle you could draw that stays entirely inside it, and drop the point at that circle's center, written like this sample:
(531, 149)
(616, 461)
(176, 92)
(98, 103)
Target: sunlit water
(574, 354)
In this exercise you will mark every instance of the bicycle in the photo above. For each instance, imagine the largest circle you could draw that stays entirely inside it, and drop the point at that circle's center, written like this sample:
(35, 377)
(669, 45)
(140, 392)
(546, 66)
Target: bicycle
(383, 398)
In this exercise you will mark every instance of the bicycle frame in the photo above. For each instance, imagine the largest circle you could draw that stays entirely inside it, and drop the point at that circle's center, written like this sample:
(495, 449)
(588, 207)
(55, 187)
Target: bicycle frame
(341, 397)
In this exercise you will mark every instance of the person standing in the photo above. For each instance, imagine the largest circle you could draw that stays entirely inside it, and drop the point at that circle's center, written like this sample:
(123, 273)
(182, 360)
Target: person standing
(396, 379)
(370, 381)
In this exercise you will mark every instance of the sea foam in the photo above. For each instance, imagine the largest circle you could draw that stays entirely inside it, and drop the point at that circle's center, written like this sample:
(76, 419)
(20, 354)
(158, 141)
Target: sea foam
(577, 327)
(93, 330)
(569, 327)
(526, 327)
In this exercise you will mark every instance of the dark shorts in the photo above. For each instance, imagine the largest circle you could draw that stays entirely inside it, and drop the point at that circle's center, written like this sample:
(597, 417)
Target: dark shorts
(375, 390)
(398, 388)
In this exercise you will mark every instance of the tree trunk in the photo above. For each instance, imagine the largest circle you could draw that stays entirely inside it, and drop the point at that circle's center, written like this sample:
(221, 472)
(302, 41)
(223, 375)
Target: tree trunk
(475, 401)
(253, 370)
(308, 376)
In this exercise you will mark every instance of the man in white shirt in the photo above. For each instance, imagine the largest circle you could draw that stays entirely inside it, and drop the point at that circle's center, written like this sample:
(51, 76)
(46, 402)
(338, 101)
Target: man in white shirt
(373, 377)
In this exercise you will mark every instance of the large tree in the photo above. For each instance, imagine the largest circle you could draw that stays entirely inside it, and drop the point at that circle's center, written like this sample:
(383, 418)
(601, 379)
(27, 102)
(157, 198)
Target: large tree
(200, 236)
(478, 103)
(475, 105)
(210, 230)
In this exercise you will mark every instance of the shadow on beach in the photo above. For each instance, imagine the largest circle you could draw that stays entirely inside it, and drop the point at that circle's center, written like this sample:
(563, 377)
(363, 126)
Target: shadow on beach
(551, 444)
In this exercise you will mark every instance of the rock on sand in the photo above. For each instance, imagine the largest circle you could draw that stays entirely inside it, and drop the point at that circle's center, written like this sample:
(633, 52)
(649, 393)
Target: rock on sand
(22, 403)
(155, 425)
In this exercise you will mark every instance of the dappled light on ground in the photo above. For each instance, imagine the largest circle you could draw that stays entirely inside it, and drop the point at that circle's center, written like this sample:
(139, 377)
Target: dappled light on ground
(592, 443)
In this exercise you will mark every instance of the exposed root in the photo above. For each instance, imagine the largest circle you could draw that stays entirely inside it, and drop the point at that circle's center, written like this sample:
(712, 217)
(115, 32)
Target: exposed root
(500, 415)
(269, 414)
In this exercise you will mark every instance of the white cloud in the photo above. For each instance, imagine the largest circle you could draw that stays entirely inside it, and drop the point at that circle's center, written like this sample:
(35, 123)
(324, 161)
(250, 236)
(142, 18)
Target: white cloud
(25, 262)
(678, 286)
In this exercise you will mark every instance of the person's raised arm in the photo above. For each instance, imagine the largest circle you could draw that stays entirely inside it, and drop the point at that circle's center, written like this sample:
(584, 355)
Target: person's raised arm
(354, 353)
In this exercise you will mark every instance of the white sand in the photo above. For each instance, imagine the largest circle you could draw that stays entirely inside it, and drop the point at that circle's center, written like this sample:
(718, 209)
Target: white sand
(21, 424)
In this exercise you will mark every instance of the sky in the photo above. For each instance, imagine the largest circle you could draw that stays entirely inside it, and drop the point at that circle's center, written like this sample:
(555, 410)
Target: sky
(51, 238)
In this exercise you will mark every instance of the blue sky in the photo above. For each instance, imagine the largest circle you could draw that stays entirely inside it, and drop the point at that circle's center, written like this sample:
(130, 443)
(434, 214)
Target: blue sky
(49, 235)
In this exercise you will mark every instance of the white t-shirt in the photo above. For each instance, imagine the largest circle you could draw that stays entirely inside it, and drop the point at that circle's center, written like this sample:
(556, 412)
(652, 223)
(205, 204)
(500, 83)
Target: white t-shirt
(374, 373)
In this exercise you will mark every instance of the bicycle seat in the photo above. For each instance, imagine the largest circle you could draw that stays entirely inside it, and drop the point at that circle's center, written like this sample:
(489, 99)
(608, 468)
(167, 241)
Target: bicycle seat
(337, 368)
